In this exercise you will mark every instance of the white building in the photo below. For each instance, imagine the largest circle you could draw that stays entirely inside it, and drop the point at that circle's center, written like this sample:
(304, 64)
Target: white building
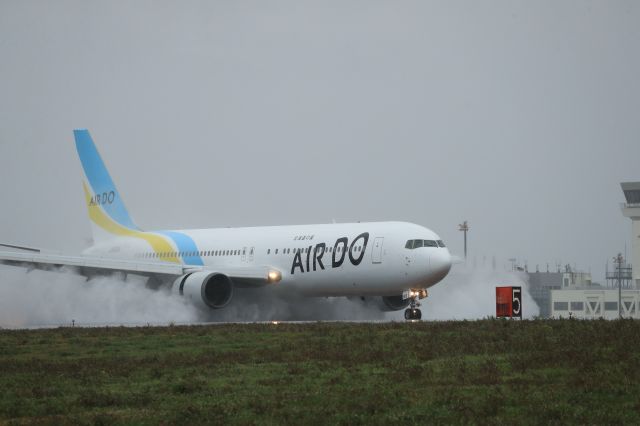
(594, 303)
(631, 209)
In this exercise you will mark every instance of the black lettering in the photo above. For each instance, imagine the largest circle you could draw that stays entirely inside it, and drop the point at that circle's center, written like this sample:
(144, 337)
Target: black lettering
(105, 197)
(98, 199)
(336, 263)
(308, 255)
(365, 237)
(297, 261)
(112, 196)
(318, 250)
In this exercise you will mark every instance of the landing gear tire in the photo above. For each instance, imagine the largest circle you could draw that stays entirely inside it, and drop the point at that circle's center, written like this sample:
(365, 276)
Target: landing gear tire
(412, 314)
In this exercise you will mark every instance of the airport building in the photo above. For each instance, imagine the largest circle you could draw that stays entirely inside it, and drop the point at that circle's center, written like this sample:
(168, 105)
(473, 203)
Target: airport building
(631, 209)
(594, 303)
(541, 284)
(621, 296)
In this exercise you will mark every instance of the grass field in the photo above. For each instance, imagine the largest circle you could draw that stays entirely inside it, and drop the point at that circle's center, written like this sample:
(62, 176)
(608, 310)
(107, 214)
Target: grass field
(490, 371)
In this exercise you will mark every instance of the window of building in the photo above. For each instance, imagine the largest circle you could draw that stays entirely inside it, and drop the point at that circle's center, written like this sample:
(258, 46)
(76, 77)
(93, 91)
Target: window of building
(560, 306)
(610, 306)
(577, 306)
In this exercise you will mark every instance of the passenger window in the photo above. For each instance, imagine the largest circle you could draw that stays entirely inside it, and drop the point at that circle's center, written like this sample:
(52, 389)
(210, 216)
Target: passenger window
(276, 251)
(268, 251)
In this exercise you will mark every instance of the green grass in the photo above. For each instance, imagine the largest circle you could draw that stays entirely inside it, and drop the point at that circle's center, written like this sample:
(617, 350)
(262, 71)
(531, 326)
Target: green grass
(492, 371)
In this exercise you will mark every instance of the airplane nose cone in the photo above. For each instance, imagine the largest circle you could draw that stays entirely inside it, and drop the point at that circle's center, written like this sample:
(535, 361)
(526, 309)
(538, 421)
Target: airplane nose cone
(440, 264)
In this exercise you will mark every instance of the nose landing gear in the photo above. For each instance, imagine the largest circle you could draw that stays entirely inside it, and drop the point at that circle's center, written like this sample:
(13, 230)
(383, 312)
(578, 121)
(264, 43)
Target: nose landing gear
(412, 313)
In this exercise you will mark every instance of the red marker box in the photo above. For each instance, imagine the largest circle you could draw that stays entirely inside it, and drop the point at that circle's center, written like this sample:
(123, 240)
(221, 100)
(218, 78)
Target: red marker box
(509, 302)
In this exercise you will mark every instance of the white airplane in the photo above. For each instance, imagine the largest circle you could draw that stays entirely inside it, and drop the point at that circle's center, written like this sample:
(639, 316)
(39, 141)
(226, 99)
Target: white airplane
(395, 262)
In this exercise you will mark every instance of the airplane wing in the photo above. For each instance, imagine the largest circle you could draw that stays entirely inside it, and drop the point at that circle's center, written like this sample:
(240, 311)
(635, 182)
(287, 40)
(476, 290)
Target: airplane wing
(254, 276)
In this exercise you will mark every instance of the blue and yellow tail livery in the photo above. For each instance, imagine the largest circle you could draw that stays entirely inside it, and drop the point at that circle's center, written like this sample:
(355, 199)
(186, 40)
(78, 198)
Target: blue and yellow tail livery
(109, 216)
(98, 183)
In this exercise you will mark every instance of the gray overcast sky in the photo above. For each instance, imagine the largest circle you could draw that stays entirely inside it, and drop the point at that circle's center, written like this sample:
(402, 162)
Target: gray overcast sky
(519, 116)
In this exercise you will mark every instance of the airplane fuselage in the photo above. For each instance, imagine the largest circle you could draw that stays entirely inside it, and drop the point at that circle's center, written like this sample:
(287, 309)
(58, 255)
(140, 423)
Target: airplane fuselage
(364, 259)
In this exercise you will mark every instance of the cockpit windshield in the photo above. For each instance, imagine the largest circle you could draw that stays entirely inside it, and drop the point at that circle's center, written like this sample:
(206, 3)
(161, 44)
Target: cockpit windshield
(414, 244)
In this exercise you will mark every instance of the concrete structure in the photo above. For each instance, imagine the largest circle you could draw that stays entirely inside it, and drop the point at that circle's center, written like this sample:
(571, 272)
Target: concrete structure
(631, 209)
(594, 303)
(541, 284)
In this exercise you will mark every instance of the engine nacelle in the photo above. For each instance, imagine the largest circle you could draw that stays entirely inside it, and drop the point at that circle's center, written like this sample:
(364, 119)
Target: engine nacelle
(207, 289)
(394, 303)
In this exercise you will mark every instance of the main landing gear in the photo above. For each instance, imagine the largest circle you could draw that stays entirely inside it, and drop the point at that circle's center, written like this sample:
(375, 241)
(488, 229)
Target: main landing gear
(412, 313)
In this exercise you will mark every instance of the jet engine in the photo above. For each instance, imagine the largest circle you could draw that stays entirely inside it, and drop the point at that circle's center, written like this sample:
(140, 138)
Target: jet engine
(210, 290)
(394, 303)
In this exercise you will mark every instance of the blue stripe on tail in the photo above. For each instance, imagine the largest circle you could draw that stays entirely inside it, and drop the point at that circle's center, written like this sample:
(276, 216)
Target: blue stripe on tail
(104, 191)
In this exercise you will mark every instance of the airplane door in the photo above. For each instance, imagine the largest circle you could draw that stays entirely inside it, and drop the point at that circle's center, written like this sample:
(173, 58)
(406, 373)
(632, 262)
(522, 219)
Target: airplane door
(376, 252)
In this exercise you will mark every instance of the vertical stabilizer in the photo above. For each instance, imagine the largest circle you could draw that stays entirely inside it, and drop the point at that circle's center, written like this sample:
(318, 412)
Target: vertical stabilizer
(109, 216)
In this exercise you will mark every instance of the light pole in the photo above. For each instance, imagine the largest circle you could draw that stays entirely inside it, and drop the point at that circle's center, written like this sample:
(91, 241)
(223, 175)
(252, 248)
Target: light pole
(619, 259)
(464, 227)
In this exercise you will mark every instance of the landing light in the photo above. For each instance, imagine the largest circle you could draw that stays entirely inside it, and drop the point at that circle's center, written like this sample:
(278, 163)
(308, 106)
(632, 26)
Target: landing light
(274, 276)
(420, 294)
